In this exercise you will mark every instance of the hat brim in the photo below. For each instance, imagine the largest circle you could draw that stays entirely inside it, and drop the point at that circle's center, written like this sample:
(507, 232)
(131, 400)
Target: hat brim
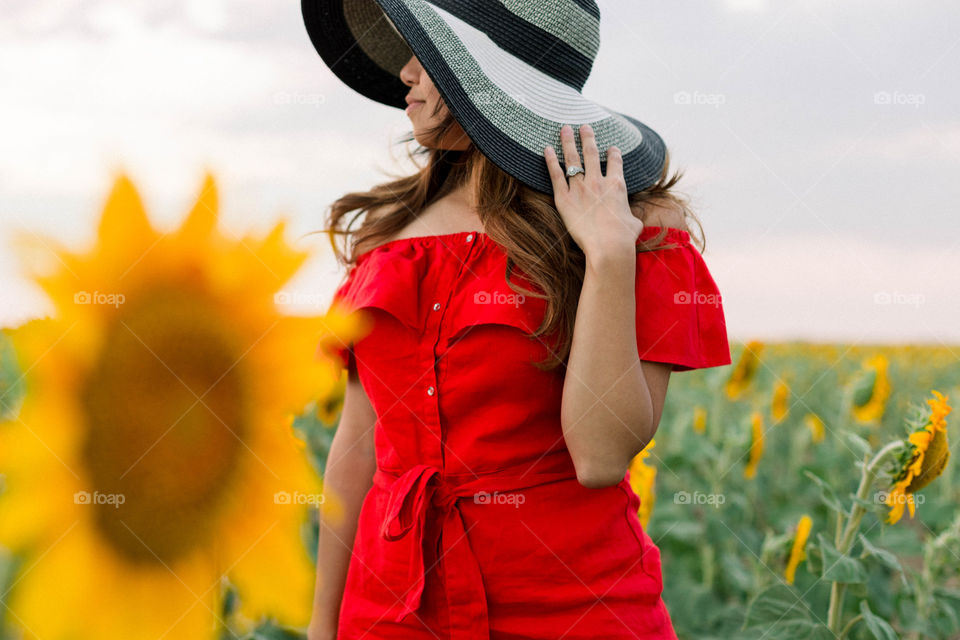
(509, 109)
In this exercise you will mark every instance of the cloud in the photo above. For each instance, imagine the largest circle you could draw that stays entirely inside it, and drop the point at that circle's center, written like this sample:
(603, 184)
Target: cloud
(168, 87)
(837, 288)
(926, 141)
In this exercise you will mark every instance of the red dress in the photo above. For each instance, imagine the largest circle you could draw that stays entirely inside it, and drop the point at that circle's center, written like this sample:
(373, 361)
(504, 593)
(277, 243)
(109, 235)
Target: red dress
(476, 526)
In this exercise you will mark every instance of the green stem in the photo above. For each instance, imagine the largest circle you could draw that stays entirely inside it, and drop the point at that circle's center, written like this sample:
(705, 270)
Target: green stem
(707, 564)
(837, 589)
(867, 479)
(849, 625)
(839, 533)
(715, 427)
(866, 483)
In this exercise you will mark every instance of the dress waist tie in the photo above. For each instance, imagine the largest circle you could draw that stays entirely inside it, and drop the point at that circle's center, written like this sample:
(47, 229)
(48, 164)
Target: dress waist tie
(411, 496)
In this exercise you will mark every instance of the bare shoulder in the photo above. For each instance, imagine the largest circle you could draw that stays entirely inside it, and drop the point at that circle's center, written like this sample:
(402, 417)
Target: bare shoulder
(661, 213)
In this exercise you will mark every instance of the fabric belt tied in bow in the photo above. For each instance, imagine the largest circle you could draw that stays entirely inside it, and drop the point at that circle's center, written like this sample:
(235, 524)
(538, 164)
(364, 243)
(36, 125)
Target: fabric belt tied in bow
(411, 496)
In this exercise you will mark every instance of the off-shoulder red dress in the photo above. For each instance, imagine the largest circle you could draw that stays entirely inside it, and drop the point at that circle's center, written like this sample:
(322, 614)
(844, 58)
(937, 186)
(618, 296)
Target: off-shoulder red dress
(476, 526)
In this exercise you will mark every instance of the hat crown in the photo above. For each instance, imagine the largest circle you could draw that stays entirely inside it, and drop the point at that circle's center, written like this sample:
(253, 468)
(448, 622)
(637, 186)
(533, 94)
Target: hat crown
(561, 38)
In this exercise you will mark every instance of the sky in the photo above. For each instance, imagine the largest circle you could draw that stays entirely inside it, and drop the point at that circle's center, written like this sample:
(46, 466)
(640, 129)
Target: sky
(820, 142)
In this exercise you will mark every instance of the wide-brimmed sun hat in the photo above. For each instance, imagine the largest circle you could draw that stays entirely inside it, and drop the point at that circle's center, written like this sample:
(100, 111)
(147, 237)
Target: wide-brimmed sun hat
(510, 71)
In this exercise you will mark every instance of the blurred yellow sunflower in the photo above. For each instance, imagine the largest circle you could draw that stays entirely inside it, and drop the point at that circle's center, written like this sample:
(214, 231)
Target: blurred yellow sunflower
(923, 461)
(872, 390)
(816, 426)
(797, 553)
(745, 370)
(756, 444)
(643, 481)
(780, 405)
(699, 419)
(154, 452)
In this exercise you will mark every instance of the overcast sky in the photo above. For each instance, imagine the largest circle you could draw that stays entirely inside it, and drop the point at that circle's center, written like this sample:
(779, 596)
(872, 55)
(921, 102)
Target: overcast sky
(820, 140)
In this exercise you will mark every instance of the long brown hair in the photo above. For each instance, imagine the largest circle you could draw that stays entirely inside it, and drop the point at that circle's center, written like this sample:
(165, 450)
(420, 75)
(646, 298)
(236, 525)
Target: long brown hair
(523, 221)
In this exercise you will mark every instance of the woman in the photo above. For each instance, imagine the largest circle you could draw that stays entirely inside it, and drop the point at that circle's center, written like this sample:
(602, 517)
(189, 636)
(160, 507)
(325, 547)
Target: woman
(526, 319)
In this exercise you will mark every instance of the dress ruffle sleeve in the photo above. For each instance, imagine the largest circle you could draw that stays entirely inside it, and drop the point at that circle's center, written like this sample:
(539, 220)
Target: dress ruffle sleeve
(680, 318)
(380, 279)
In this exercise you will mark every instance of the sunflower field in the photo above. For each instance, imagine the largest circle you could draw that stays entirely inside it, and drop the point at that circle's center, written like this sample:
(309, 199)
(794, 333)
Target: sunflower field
(784, 497)
(163, 438)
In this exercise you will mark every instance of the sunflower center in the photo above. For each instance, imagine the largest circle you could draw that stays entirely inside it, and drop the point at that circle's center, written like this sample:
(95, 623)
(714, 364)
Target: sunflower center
(166, 422)
(934, 461)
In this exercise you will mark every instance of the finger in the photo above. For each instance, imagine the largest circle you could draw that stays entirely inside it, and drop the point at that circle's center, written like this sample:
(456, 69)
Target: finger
(557, 176)
(571, 157)
(591, 154)
(614, 163)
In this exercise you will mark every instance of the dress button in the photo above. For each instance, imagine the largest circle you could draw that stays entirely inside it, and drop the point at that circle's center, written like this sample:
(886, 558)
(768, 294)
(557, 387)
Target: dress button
(436, 306)
(469, 237)
(430, 391)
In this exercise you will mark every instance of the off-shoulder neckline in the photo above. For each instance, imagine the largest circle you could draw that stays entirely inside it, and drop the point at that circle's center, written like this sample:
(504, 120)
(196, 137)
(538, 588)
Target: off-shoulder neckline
(672, 233)
(421, 239)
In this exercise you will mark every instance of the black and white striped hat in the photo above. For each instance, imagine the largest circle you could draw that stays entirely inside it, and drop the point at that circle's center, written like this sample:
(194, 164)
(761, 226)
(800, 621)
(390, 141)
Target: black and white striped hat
(510, 71)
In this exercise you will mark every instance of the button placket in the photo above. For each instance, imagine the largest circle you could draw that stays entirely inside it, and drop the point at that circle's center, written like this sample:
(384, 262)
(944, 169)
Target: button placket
(434, 330)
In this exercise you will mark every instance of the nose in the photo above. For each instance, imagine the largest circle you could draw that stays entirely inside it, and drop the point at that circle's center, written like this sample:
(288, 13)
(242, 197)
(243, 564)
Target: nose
(410, 72)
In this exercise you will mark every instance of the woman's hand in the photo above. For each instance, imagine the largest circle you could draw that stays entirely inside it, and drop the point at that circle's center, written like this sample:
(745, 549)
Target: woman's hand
(594, 207)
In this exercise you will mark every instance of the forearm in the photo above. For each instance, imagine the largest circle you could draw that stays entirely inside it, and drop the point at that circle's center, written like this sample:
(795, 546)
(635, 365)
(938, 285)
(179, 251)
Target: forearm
(347, 479)
(607, 409)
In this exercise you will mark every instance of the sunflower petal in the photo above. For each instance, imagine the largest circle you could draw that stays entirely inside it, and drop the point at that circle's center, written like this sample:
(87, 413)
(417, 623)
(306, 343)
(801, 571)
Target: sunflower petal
(202, 219)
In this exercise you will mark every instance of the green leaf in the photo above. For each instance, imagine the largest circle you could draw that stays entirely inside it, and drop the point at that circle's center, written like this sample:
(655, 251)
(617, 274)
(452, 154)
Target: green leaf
(860, 446)
(269, 631)
(946, 606)
(821, 632)
(863, 388)
(879, 627)
(910, 620)
(318, 437)
(231, 601)
(12, 385)
(947, 592)
(814, 559)
(734, 571)
(777, 543)
(827, 494)
(869, 505)
(948, 603)
(781, 610)
(689, 531)
(838, 567)
(872, 551)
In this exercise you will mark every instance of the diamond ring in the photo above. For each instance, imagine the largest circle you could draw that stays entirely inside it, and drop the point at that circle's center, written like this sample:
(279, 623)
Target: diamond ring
(572, 171)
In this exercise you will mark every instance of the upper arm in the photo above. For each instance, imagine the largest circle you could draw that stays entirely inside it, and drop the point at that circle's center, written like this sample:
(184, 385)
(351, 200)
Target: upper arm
(357, 418)
(657, 376)
(660, 213)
